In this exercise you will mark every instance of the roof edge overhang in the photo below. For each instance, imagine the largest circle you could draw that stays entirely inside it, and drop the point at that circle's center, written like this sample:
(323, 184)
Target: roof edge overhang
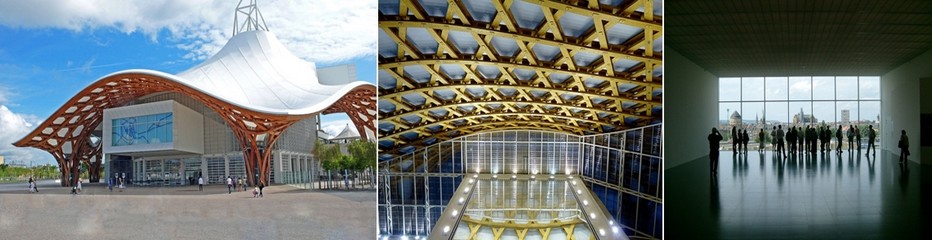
(159, 82)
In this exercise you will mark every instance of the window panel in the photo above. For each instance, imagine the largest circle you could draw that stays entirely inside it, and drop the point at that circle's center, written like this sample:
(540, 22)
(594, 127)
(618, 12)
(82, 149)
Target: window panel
(869, 88)
(798, 111)
(800, 88)
(752, 110)
(869, 111)
(823, 111)
(729, 89)
(847, 111)
(846, 88)
(823, 88)
(776, 88)
(778, 112)
(726, 109)
(752, 89)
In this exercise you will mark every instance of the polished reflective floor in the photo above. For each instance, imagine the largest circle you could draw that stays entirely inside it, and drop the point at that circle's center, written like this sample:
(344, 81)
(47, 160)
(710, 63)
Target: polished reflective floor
(833, 196)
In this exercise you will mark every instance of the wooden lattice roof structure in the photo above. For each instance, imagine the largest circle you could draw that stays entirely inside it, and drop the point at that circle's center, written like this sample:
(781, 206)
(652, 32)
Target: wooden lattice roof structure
(451, 68)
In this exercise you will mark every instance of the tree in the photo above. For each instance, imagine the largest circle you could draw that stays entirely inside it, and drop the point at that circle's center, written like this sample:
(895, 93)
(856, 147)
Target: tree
(3, 168)
(364, 155)
(329, 157)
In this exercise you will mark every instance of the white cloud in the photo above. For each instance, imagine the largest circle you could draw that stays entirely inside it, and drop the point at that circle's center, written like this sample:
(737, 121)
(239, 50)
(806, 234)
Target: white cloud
(14, 126)
(319, 31)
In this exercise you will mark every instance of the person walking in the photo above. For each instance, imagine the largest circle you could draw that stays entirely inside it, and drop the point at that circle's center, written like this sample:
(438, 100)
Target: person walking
(229, 185)
(714, 138)
(904, 146)
(110, 184)
(31, 185)
(244, 184)
(200, 183)
(871, 136)
(79, 185)
(261, 186)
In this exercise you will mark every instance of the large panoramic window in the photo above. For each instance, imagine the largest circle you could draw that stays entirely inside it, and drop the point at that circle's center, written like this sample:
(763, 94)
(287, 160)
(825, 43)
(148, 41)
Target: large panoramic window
(148, 129)
(752, 103)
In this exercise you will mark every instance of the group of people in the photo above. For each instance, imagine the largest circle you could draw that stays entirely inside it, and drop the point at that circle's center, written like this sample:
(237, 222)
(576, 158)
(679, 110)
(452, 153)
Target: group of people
(801, 139)
(796, 140)
(235, 184)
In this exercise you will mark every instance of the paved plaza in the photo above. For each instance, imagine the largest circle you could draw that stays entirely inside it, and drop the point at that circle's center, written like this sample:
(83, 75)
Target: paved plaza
(184, 213)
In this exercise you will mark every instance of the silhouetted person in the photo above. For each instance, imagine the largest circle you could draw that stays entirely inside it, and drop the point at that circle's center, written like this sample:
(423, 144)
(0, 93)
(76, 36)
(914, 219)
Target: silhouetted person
(839, 139)
(871, 136)
(760, 140)
(773, 139)
(791, 139)
(904, 146)
(857, 137)
(780, 147)
(850, 137)
(714, 138)
(812, 139)
(828, 138)
(799, 139)
(745, 138)
(734, 139)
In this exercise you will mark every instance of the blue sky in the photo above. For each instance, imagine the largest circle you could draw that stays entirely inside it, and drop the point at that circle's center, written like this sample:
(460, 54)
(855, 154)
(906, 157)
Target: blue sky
(44, 61)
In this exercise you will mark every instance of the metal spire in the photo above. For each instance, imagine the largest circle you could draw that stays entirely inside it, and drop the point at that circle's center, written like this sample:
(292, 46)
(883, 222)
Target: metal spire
(252, 21)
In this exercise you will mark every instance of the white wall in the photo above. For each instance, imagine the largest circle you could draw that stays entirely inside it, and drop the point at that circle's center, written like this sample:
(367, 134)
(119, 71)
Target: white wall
(690, 106)
(900, 104)
(188, 129)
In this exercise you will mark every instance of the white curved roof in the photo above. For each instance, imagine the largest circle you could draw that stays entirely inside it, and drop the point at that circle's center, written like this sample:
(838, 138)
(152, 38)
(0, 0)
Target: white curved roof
(347, 133)
(255, 71)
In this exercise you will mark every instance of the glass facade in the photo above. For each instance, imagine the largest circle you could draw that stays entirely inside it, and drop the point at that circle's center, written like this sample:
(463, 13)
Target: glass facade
(755, 103)
(148, 129)
(623, 169)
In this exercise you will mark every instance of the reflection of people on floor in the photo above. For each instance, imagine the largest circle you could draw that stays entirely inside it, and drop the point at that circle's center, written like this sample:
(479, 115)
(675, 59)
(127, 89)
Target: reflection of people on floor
(871, 136)
(904, 175)
(714, 138)
(904, 146)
